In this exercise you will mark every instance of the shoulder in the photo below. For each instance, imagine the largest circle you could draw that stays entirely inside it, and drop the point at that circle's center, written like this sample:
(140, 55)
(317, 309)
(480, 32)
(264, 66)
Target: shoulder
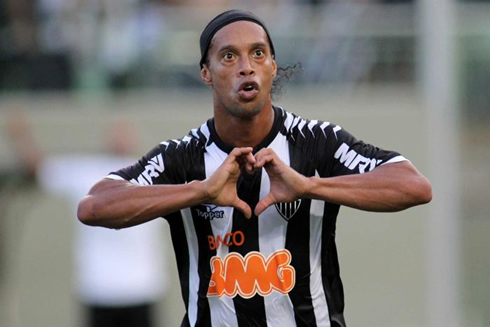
(195, 141)
(297, 127)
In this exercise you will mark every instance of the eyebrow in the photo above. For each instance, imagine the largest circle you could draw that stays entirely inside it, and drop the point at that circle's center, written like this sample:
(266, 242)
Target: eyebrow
(234, 48)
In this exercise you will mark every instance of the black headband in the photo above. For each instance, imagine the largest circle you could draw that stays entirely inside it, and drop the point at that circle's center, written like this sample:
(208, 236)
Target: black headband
(221, 21)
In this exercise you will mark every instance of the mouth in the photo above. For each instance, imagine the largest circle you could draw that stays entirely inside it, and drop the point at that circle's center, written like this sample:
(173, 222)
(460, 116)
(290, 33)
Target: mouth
(248, 90)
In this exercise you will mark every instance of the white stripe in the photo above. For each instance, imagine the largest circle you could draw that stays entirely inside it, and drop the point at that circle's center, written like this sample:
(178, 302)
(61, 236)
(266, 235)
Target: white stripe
(115, 177)
(288, 121)
(295, 121)
(336, 129)
(272, 237)
(300, 127)
(323, 126)
(318, 296)
(186, 139)
(205, 131)
(190, 234)
(311, 125)
(222, 309)
(194, 132)
(395, 159)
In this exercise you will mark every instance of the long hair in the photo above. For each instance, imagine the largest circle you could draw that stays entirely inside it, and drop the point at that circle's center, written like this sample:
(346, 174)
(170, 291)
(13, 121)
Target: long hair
(283, 76)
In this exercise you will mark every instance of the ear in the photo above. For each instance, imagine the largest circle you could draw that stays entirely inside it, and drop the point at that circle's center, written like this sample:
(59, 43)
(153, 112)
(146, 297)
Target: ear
(274, 68)
(206, 75)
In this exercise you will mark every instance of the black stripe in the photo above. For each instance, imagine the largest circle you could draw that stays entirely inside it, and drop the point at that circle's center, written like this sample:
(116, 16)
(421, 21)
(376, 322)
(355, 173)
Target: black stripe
(332, 284)
(181, 250)
(250, 312)
(203, 230)
(298, 243)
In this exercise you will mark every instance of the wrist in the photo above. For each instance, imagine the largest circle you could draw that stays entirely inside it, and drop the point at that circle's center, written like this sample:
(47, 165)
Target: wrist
(311, 185)
(200, 191)
(308, 187)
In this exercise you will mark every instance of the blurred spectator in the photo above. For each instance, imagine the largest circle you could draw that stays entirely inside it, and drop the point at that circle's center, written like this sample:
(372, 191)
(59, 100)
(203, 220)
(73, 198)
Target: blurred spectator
(119, 274)
(24, 63)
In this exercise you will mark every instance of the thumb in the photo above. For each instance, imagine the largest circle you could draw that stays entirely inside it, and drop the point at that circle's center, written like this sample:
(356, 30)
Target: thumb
(244, 208)
(263, 204)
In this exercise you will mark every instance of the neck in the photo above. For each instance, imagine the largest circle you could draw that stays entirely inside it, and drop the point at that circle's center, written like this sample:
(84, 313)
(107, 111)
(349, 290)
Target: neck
(242, 132)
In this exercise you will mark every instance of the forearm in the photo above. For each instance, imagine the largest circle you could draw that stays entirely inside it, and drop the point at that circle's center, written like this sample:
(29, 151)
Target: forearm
(392, 187)
(120, 204)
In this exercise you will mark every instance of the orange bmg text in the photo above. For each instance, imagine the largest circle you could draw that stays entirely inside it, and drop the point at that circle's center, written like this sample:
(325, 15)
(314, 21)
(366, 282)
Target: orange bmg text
(251, 274)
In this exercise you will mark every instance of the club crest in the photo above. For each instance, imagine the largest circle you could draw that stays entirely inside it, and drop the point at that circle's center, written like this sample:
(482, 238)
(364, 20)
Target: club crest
(288, 209)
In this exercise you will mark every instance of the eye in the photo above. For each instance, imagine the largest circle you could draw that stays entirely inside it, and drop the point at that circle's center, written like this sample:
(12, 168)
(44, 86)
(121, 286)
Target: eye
(228, 56)
(258, 53)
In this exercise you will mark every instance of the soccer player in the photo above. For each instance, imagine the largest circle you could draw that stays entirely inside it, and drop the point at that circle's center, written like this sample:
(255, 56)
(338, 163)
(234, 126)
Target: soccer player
(252, 195)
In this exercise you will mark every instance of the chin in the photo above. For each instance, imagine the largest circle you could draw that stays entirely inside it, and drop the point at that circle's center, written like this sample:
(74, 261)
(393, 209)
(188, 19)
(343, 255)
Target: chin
(246, 110)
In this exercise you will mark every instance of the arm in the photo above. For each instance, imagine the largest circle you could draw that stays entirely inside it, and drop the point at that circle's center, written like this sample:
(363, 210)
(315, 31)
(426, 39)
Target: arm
(119, 204)
(391, 187)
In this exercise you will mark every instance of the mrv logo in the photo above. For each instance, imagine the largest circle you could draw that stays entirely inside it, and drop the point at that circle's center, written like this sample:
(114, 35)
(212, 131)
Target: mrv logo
(208, 212)
(351, 159)
(153, 169)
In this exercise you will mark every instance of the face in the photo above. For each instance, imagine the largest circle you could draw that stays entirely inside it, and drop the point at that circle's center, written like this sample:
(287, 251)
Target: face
(241, 69)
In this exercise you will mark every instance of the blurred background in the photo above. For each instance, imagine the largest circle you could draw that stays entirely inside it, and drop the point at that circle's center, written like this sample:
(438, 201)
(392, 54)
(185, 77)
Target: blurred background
(407, 75)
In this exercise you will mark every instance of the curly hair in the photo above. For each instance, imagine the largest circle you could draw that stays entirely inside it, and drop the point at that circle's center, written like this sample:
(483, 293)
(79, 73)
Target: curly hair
(283, 76)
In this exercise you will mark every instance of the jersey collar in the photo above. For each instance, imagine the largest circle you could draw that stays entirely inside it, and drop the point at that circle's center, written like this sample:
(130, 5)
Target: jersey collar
(276, 127)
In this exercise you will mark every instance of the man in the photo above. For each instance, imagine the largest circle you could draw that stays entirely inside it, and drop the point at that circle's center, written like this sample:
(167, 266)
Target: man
(252, 195)
(109, 297)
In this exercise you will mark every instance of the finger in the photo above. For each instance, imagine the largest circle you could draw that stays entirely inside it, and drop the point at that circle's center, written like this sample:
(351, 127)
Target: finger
(264, 151)
(250, 163)
(264, 160)
(250, 158)
(244, 208)
(249, 168)
(264, 204)
(247, 161)
(265, 156)
(238, 152)
(236, 157)
(240, 156)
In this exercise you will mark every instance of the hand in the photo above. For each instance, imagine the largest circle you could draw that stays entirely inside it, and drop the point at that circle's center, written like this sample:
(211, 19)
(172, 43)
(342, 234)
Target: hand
(286, 185)
(221, 187)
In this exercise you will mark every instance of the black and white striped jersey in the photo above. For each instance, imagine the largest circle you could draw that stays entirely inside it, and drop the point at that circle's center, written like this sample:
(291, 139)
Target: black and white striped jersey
(279, 269)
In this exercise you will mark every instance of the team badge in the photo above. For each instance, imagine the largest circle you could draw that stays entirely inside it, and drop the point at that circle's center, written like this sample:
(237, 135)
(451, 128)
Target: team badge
(288, 209)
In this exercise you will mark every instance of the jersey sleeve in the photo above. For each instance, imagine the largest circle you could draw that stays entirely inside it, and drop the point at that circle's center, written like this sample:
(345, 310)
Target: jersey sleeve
(166, 163)
(347, 155)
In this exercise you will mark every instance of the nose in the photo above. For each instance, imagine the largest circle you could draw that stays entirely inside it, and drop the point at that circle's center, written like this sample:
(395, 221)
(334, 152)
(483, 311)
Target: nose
(246, 68)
